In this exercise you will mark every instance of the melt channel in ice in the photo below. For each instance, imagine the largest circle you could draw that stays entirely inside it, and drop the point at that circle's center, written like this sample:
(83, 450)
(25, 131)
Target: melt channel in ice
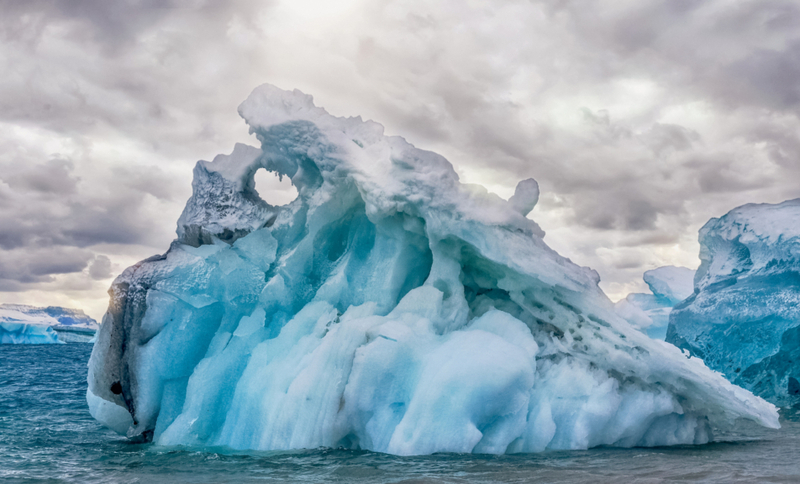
(649, 313)
(744, 318)
(389, 307)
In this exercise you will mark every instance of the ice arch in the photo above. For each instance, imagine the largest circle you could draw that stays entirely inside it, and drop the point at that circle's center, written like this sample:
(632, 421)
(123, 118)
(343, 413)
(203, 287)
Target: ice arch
(274, 189)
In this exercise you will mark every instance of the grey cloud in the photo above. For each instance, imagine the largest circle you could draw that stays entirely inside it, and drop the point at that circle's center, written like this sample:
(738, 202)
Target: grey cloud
(45, 208)
(639, 120)
(721, 53)
(663, 137)
(51, 178)
(652, 238)
(95, 65)
(100, 268)
(150, 180)
(722, 175)
(630, 212)
(628, 262)
(768, 77)
(782, 144)
(110, 24)
(29, 266)
(49, 215)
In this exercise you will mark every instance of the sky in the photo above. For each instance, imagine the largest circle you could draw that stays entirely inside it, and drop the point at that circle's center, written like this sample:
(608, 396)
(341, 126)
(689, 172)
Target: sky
(640, 119)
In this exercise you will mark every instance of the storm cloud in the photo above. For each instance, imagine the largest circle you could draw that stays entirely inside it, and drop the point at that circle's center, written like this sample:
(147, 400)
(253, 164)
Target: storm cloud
(640, 119)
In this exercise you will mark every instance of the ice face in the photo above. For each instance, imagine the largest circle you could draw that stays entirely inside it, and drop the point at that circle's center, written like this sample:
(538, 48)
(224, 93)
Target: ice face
(22, 324)
(744, 319)
(650, 312)
(388, 307)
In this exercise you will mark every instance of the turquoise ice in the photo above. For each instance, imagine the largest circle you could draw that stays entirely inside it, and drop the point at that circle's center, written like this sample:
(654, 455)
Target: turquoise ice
(744, 318)
(389, 307)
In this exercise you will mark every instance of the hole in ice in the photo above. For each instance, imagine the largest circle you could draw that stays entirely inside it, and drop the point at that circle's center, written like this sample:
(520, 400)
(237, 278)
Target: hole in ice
(272, 189)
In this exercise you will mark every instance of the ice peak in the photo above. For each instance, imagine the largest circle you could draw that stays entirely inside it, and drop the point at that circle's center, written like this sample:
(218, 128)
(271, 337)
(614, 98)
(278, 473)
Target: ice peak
(525, 196)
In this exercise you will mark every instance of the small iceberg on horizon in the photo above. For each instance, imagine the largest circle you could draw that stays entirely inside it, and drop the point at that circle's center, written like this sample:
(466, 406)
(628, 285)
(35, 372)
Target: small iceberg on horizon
(23, 324)
(389, 307)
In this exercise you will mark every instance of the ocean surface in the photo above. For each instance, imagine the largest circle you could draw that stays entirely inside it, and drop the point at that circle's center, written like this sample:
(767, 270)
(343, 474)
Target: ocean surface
(47, 435)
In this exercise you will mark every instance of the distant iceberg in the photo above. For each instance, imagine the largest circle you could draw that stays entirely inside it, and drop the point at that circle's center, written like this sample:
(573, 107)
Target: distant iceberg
(23, 333)
(389, 307)
(744, 318)
(22, 324)
(650, 312)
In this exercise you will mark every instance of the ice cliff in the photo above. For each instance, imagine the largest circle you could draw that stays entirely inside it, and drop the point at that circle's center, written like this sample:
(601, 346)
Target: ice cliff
(649, 313)
(22, 324)
(389, 307)
(744, 318)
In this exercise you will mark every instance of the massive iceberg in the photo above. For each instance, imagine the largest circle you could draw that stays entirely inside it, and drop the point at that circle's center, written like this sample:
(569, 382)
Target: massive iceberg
(744, 318)
(389, 307)
(22, 324)
(649, 313)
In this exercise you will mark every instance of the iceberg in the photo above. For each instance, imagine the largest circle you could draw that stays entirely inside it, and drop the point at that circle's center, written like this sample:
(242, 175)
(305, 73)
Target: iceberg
(23, 333)
(650, 312)
(744, 316)
(389, 307)
(23, 324)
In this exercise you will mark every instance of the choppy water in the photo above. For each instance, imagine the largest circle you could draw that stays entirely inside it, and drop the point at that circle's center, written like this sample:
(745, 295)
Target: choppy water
(47, 435)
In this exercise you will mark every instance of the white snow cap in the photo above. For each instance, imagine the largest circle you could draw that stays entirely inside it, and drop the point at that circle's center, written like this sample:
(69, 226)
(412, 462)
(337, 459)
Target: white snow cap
(753, 238)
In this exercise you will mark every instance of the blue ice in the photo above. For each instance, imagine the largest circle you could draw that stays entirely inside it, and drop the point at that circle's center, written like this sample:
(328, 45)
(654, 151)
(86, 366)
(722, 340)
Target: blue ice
(744, 318)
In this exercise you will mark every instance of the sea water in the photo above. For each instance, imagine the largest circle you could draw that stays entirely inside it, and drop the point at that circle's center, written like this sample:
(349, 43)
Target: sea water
(47, 435)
